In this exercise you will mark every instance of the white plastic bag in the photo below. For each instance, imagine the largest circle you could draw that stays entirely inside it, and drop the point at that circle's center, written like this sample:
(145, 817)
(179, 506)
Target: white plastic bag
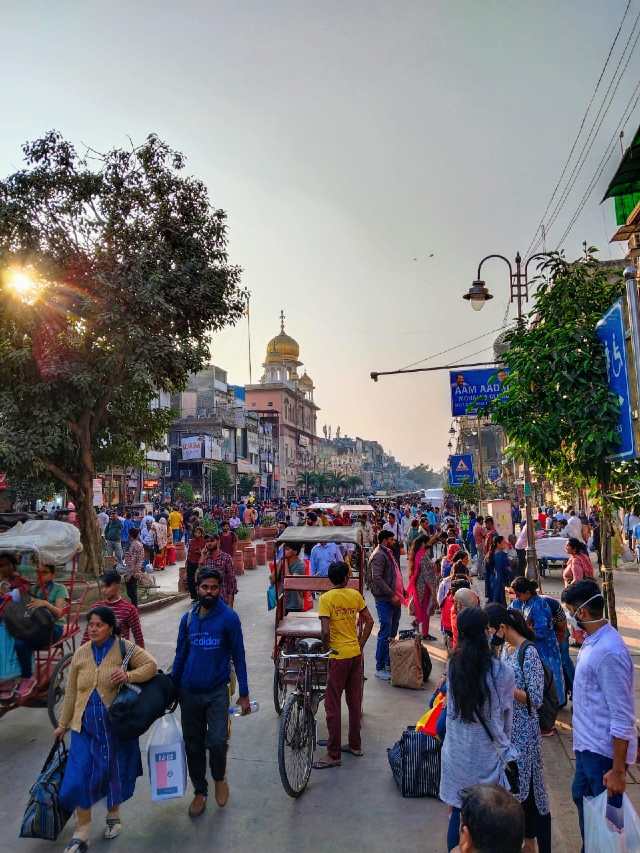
(610, 830)
(167, 760)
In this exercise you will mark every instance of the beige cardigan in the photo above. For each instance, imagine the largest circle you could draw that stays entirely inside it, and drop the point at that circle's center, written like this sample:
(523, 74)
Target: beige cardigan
(85, 677)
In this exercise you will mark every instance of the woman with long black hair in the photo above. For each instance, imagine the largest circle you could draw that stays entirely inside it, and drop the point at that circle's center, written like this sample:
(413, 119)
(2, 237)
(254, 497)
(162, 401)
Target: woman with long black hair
(477, 747)
(508, 626)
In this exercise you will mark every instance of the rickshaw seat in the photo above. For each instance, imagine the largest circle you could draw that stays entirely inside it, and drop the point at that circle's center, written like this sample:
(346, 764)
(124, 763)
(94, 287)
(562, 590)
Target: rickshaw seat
(300, 625)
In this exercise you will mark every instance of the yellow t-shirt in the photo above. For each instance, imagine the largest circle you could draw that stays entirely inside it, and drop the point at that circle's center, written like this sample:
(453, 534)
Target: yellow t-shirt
(175, 520)
(342, 607)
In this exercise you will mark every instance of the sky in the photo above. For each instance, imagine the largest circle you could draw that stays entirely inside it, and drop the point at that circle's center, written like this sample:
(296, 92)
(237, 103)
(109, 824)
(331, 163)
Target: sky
(344, 139)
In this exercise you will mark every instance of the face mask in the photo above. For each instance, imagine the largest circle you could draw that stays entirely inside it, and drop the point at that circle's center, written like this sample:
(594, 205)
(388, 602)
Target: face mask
(497, 641)
(572, 620)
(208, 601)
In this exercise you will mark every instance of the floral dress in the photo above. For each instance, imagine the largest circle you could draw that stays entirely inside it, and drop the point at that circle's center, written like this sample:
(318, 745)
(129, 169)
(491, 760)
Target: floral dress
(525, 733)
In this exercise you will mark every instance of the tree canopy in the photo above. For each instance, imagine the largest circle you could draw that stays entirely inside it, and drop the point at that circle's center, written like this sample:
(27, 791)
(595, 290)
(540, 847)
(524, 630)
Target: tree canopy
(114, 275)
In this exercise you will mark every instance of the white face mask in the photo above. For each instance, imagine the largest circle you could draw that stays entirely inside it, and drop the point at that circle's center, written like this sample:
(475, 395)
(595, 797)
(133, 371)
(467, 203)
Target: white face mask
(573, 621)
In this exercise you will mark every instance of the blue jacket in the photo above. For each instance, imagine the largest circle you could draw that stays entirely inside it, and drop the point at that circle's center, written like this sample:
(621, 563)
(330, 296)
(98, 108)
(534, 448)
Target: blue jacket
(205, 649)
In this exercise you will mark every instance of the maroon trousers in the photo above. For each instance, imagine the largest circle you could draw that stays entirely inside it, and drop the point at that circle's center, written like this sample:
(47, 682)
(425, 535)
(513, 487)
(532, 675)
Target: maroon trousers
(345, 676)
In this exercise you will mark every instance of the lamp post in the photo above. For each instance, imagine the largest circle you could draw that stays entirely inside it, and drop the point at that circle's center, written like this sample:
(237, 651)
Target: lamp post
(477, 295)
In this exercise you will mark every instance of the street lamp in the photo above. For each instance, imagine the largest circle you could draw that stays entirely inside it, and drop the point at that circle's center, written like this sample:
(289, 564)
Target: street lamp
(477, 295)
(450, 446)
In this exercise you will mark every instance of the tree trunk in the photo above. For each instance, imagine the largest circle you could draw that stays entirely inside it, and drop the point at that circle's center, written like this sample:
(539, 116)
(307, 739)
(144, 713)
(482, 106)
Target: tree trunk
(606, 544)
(89, 528)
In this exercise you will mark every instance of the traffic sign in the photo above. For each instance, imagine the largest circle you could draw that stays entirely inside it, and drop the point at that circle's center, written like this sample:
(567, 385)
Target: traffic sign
(610, 330)
(494, 473)
(461, 469)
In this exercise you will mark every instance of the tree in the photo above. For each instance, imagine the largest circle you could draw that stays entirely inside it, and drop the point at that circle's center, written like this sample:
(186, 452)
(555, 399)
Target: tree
(466, 493)
(221, 484)
(115, 274)
(246, 484)
(352, 483)
(185, 492)
(335, 483)
(556, 409)
(425, 477)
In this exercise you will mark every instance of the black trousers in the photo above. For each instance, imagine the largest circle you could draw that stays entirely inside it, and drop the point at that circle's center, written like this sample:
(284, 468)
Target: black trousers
(192, 568)
(205, 725)
(522, 561)
(536, 825)
(132, 591)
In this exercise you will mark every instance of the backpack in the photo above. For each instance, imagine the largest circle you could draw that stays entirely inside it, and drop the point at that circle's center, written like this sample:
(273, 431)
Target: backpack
(548, 711)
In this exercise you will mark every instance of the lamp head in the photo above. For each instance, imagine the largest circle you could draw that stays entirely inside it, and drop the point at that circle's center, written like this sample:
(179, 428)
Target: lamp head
(477, 295)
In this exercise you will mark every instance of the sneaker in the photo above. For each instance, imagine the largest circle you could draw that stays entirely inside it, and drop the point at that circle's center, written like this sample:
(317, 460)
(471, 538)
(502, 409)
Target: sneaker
(383, 675)
(197, 806)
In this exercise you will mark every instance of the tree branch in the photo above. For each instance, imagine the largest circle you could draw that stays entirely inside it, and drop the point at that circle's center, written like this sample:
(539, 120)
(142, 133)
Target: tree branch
(61, 475)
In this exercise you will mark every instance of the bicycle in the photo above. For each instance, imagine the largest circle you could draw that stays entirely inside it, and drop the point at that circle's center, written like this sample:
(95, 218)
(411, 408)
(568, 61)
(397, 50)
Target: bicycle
(297, 734)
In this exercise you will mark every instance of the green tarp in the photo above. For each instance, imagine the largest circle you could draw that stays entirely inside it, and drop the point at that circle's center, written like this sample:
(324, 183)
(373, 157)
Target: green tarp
(625, 184)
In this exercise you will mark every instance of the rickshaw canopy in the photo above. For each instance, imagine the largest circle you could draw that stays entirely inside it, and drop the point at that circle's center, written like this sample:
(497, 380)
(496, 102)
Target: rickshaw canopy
(323, 506)
(306, 535)
(55, 542)
(356, 508)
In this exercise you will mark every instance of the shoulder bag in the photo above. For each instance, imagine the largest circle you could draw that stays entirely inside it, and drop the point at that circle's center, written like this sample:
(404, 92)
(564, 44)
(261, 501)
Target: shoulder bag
(510, 767)
(548, 711)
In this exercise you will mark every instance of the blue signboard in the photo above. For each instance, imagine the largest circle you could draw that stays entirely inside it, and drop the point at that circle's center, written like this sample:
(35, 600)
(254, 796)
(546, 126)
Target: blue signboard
(461, 469)
(610, 330)
(471, 389)
(494, 473)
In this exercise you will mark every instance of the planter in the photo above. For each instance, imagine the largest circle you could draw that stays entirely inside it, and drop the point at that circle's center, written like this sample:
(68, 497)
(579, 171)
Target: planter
(261, 554)
(250, 558)
(269, 532)
(181, 553)
(271, 549)
(171, 555)
(182, 579)
(238, 562)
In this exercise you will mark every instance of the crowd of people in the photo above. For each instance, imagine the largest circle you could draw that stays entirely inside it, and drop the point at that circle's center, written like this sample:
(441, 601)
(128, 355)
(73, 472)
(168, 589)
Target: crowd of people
(509, 667)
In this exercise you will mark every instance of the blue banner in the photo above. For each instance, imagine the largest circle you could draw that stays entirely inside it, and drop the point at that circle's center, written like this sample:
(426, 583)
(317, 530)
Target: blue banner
(494, 473)
(473, 388)
(610, 330)
(461, 469)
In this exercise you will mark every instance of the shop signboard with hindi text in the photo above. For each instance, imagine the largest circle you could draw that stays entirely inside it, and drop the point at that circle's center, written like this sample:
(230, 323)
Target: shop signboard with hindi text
(472, 389)
(191, 447)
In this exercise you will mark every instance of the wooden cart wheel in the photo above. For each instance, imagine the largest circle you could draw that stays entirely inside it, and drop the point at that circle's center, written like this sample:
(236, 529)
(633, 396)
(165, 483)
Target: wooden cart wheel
(57, 687)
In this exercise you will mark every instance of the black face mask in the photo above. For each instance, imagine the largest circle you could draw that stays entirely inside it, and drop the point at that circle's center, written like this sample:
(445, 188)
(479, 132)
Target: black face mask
(497, 641)
(208, 601)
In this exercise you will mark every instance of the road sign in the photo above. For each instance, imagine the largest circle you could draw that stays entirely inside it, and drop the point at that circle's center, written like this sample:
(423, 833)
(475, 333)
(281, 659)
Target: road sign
(470, 389)
(494, 473)
(610, 330)
(461, 469)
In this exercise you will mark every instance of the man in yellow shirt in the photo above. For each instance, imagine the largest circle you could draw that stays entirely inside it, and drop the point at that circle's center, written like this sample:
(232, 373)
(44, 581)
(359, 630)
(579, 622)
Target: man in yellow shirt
(175, 523)
(346, 626)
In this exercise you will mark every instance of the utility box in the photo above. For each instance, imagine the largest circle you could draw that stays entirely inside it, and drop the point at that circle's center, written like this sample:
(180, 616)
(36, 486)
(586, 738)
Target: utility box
(500, 511)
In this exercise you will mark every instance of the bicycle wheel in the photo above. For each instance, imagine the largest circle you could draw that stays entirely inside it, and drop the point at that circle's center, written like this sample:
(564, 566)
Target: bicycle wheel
(279, 687)
(296, 742)
(57, 687)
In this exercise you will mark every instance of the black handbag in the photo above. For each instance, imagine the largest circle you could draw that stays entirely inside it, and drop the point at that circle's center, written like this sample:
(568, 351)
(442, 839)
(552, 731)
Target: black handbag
(511, 767)
(34, 626)
(44, 816)
(138, 706)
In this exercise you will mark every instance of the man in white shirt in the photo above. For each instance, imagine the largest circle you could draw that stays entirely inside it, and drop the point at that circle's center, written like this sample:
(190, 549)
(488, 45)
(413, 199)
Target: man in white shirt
(103, 519)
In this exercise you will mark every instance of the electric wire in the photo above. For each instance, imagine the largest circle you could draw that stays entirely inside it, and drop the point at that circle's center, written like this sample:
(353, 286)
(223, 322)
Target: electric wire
(580, 129)
(457, 346)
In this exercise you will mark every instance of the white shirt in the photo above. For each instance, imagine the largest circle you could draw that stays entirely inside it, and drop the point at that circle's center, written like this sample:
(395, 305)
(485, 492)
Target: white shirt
(573, 530)
(103, 520)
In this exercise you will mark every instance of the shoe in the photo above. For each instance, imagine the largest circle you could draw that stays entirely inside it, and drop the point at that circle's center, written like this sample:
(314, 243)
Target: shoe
(383, 675)
(113, 828)
(26, 687)
(430, 638)
(198, 804)
(548, 733)
(76, 845)
(222, 793)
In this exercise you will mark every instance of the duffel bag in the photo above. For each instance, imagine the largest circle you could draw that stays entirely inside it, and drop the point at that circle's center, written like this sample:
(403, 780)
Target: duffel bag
(415, 764)
(138, 706)
(44, 816)
(34, 626)
(406, 663)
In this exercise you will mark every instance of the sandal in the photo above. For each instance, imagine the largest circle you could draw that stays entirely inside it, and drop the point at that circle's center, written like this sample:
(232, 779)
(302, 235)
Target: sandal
(76, 845)
(323, 764)
(113, 828)
(346, 748)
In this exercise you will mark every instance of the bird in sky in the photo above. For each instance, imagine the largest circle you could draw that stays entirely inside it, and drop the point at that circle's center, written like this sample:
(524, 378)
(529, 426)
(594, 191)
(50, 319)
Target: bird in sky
(432, 255)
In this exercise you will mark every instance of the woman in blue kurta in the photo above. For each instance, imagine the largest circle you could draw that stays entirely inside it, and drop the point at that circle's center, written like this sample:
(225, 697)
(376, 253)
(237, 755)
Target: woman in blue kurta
(100, 765)
(537, 615)
(498, 571)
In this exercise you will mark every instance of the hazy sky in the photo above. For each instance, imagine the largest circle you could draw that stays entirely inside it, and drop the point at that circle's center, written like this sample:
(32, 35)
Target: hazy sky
(344, 139)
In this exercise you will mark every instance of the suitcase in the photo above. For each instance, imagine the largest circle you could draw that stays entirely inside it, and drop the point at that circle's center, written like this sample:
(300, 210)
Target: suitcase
(406, 663)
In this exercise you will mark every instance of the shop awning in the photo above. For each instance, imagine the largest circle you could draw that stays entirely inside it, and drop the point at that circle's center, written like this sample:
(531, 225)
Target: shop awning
(625, 184)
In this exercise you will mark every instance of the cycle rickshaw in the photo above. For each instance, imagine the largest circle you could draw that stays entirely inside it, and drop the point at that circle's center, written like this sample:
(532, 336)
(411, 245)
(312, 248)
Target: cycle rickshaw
(300, 664)
(58, 543)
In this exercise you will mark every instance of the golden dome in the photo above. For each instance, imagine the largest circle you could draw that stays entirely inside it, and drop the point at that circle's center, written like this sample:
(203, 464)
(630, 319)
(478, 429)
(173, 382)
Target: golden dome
(306, 381)
(282, 347)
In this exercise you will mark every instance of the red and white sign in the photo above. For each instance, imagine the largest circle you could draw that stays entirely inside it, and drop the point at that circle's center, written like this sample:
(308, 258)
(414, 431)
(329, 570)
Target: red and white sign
(4, 483)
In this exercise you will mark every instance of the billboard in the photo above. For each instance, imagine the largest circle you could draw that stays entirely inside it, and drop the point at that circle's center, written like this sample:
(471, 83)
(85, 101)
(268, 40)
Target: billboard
(471, 389)
(461, 469)
(191, 447)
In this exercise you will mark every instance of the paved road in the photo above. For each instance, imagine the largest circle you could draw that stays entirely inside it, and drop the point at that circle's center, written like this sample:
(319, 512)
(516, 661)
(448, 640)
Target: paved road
(354, 807)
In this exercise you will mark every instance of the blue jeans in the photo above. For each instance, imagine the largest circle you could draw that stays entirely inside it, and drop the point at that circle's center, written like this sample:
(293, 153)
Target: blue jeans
(389, 618)
(453, 832)
(587, 782)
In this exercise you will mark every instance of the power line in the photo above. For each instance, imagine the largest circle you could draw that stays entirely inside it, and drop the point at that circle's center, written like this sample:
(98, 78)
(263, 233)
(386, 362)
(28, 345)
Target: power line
(457, 346)
(611, 147)
(600, 117)
(582, 124)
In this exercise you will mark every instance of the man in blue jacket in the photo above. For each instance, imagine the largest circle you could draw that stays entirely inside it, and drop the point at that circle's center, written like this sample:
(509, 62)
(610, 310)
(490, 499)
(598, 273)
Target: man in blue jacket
(209, 637)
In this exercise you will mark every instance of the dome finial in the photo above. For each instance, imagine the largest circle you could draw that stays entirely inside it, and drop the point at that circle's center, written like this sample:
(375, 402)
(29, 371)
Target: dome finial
(282, 321)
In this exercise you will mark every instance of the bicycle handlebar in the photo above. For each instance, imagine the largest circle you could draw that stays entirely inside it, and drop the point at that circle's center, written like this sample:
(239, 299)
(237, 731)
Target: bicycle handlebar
(316, 655)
